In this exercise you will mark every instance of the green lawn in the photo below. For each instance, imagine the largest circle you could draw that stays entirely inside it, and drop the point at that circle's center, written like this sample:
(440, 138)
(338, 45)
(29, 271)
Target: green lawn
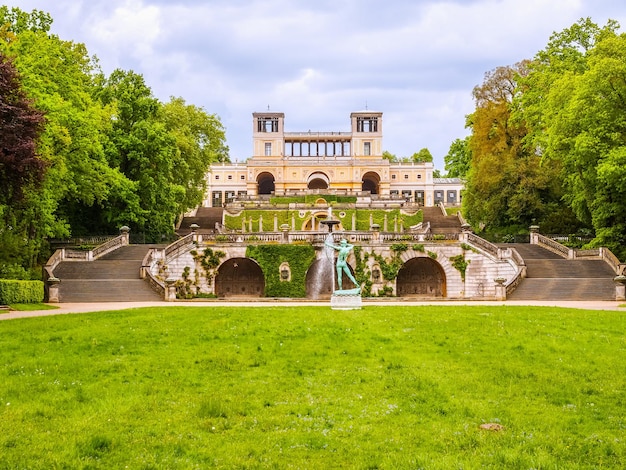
(310, 387)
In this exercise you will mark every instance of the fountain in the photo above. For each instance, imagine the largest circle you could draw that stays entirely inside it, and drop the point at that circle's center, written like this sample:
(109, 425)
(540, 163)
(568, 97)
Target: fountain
(341, 299)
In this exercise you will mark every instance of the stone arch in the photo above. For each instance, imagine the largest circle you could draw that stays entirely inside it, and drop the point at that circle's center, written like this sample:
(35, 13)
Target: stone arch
(371, 182)
(265, 183)
(239, 277)
(318, 180)
(313, 222)
(421, 277)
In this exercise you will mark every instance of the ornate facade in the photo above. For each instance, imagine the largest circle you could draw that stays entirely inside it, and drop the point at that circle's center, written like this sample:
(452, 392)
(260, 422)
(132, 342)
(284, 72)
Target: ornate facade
(291, 163)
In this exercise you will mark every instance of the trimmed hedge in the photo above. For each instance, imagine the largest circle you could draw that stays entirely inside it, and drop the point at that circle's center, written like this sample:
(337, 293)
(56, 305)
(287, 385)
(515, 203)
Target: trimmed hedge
(20, 292)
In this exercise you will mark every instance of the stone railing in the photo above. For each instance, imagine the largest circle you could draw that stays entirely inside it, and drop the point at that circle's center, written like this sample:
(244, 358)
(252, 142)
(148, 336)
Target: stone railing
(462, 220)
(155, 283)
(592, 253)
(109, 246)
(571, 253)
(173, 249)
(608, 256)
(53, 262)
(514, 283)
(483, 244)
(286, 236)
(552, 245)
(442, 206)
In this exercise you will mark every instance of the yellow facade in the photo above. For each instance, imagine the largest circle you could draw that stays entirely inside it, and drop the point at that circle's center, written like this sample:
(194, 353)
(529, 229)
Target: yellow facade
(289, 163)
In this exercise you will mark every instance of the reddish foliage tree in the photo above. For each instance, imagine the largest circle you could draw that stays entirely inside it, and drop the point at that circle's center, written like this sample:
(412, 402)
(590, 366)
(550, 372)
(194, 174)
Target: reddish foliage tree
(20, 126)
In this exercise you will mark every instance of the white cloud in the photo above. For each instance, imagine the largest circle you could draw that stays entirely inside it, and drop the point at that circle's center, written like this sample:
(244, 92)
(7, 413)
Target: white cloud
(416, 61)
(132, 29)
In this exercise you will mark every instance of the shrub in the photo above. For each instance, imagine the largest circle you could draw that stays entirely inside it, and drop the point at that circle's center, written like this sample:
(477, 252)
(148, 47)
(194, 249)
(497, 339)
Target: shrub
(20, 292)
(13, 271)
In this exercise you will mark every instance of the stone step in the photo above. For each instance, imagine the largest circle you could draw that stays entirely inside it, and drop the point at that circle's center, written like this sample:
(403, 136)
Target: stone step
(564, 268)
(564, 289)
(205, 218)
(439, 223)
(106, 290)
(113, 278)
(100, 269)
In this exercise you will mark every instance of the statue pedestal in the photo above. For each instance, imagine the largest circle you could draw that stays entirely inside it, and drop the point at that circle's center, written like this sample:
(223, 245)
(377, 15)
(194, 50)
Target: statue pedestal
(346, 299)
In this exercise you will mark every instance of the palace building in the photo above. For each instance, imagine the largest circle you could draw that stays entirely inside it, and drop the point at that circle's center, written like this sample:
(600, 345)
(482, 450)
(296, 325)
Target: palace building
(349, 163)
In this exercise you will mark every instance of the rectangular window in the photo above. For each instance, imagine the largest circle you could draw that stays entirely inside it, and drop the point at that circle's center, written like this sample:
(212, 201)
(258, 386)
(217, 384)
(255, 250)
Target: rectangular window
(217, 199)
(242, 177)
(367, 148)
(268, 149)
(267, 124)
(393, 177)
(217, 177)
(230, 177)
(406, 177)
(419, 177)
(366, 124)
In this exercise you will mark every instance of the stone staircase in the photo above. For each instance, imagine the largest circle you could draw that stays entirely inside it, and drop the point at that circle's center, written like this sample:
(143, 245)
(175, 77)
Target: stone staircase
(112, 278)
(551, 277)
(439, 223)
(205, 218)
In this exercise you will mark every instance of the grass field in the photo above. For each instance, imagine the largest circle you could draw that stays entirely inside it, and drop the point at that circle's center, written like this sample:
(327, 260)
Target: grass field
(309, 387)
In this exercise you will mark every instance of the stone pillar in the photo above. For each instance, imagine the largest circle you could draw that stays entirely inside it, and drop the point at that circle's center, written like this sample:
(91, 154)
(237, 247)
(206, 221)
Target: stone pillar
(500, 288)
(534, 231)
(53, 289)
(194, 230)
(170, 289)
(125, 232)
(375, 232)
(284, 228)
(620, 287)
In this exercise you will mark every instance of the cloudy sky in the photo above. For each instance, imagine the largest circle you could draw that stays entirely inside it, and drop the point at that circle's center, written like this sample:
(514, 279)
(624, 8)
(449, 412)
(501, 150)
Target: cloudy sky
(417, 61)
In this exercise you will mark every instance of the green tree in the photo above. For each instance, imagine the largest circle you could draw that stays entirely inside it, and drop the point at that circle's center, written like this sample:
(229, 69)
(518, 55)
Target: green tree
(59, 75)
(506, 183)
(15, 21)
(22, 170)
(199, 139)
(573, 102)
(457, 161)
(389, 156)
(423, 156)
(164, 149)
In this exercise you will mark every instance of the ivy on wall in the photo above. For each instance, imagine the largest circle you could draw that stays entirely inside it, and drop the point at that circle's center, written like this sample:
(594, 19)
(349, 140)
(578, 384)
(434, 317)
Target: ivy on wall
(270, 257)
(460, 263)
(188, 287)
(361, 273)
